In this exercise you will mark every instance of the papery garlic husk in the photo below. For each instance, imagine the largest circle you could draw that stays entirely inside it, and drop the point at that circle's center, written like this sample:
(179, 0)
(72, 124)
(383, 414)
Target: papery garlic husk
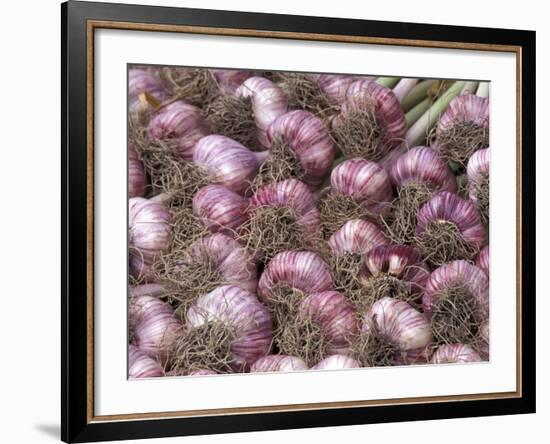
(454, 354)
(229, 80)
(227, 162)
(301, 270)
(136, 174)
(143, 81)
(278, 363)
(359, 189)
(395, 271)
(391, 329)
(212, 261)
(478, 181)
(463, 128)
(149, 235)
(483, 258)
(336, 362)
(153, 326)
(448, 228)
(142, 366)
(282, 216)
(227, 330)
(348, 247)
(299, 147)
(456, 301)
(311, 326)
(371, 122)
(196, 86)
(220, 209)
(177, 127)
(483, 347)
(417, 174)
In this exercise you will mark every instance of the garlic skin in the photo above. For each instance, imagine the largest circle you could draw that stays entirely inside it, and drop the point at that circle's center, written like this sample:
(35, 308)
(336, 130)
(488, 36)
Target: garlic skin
(484, 336)
(278, 363)
(455, 354)
(268, 103)
(365, 182)
(142, 366)
(293, 194)
(220, 209)
(150, 234)
(399, 261)
(449, 207)
(423, 165)
(482, 260)
(308, 138)
(302, 270)
(466, 108)
(143, 80)
(136, 174)
(361, 94)
(230, 259)
(179, 124)
(399, 323)
(154, 325)
(227, 162)
(336, 317)
(241, 311)
(357, 236)
(229, 80)
(478, 172)
(334, 86)
(454, 273)
(336, 362)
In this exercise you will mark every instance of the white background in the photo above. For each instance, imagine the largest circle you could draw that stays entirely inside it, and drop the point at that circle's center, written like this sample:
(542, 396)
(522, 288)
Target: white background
(29, 234)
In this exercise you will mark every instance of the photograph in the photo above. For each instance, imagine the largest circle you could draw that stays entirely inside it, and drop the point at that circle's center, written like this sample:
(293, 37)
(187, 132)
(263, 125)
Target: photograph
(284, 221)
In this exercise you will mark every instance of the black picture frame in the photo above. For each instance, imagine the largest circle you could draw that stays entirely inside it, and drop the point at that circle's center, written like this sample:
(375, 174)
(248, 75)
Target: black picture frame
(76, 423)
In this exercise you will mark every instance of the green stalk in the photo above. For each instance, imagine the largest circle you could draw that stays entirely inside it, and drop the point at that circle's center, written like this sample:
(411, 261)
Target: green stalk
(417, 94)
(418, 132)
(483, 89)
(414, 114)
(469, 88)
(388, 82)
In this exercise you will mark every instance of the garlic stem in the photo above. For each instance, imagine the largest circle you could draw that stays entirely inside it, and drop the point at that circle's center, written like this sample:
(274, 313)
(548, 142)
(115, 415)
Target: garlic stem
(415, 113)
(417, 133)
(403, 88)
(388, 82)
(483, 89)
(416, 95)
(470, 88)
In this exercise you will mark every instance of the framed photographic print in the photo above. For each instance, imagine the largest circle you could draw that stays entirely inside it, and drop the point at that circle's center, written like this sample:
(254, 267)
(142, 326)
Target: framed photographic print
(276, 221)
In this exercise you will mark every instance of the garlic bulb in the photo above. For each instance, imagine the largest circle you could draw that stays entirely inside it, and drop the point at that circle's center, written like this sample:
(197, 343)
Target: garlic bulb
(448, 228)
(227, 162)
(140, 81)
(371, 122)
(246, 319)
(483, 345)
(356, 236)
(281, 216)
(456, 301)
(455, 353)
(142, 366)
(220, 209)
(482, 260)
(136, 174)
(463, 128)
(150, 234)
(336, 362)
(153, 325)
(268, 102)
(478, 181)
(335, 316)
(230, 79)
(278, 363)
(299, 146)
(416, 174)
(178, 126)
(335, 86)
(302, 270)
